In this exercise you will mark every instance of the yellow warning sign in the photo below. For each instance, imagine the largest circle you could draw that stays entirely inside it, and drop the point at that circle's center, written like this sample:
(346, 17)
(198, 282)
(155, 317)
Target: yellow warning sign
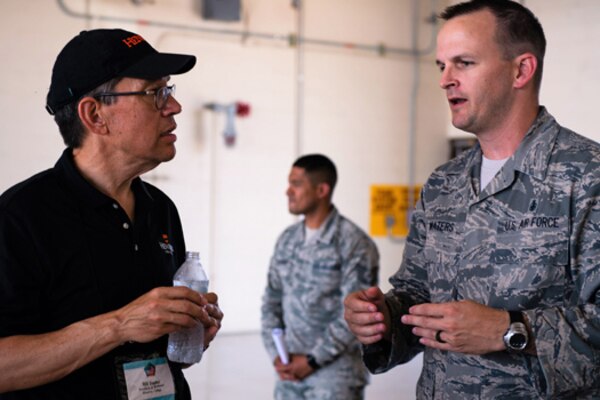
(389, 209)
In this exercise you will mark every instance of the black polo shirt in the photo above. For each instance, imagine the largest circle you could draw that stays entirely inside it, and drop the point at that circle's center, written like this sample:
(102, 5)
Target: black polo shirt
(69, 252)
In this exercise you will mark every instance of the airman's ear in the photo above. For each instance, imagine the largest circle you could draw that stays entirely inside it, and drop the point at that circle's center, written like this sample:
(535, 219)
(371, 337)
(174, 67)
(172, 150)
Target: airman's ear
(323, 190)
(526, 66)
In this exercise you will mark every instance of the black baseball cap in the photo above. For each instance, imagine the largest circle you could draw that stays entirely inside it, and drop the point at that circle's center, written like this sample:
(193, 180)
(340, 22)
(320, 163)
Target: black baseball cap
(96, 56)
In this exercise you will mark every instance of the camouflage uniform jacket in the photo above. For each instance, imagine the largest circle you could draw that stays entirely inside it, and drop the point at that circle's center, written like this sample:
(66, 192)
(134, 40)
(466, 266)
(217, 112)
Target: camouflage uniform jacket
(307, 284)
(529, 241)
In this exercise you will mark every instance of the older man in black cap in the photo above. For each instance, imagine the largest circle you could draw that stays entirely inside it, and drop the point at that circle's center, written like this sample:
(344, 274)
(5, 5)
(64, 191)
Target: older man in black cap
(87, 249)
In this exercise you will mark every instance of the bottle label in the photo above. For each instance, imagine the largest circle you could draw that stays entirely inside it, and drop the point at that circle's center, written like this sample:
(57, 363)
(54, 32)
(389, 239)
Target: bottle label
(198, 286)
(149, 379)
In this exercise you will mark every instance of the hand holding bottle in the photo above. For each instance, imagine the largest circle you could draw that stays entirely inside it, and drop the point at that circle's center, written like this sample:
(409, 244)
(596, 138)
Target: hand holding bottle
(187, 345)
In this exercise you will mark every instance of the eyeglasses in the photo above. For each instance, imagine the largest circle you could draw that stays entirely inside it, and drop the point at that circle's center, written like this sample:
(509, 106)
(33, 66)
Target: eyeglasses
(161, 95)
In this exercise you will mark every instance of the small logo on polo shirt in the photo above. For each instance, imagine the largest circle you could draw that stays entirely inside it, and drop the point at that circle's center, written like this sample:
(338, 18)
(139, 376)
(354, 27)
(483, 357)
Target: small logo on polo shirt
(165, 245)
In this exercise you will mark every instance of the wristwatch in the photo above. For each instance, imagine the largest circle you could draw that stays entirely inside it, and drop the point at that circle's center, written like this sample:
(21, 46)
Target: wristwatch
(516, 337)
(312, 362)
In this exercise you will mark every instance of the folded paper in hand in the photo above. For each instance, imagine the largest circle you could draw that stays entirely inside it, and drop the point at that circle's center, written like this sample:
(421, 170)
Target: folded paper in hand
(279, 339)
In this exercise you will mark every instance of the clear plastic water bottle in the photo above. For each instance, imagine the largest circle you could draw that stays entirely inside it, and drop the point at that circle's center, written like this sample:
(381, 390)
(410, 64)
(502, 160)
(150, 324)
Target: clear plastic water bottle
(186, 346)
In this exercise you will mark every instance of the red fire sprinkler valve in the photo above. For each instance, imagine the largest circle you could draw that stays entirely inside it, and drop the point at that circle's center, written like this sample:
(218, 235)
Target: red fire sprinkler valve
(232, 110)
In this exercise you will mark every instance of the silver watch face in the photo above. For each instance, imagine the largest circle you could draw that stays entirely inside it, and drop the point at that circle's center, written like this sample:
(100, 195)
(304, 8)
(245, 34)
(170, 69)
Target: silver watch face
(517, 341)
(516, 338)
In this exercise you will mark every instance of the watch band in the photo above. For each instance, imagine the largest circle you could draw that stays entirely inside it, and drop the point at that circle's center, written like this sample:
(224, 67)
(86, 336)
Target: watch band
(312, 362)
(516, 316)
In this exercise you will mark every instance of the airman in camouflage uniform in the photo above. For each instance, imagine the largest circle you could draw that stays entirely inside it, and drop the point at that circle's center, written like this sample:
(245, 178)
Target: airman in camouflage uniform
(307, 282)
(478, 254)
(530, 241)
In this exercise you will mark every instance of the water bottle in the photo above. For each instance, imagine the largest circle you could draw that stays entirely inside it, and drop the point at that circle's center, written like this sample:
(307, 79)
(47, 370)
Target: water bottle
(186, 346)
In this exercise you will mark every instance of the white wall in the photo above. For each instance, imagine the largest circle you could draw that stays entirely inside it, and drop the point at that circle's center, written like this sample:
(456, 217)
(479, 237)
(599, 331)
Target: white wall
(356, 110)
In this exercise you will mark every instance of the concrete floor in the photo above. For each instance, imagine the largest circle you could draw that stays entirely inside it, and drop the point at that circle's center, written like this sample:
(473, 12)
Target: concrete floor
(237, 367)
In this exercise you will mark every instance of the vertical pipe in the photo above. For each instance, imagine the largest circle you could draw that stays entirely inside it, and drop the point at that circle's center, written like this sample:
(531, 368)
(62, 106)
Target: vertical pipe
(88, 22)
(299, 120)
(413, 107)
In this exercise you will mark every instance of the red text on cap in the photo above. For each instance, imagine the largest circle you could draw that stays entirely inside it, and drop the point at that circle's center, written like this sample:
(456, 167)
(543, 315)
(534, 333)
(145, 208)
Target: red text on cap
(133, 40)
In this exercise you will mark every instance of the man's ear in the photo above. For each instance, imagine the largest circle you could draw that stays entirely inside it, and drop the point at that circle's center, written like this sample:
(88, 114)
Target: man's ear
(90, 115)
(526, 65)
(323, 190)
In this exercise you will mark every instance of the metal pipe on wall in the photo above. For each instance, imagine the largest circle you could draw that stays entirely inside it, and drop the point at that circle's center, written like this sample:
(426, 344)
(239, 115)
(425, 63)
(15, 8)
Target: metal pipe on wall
(380, 49)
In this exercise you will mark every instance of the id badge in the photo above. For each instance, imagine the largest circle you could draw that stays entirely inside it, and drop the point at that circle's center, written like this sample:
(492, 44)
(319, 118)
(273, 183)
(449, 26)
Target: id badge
(148, 379)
